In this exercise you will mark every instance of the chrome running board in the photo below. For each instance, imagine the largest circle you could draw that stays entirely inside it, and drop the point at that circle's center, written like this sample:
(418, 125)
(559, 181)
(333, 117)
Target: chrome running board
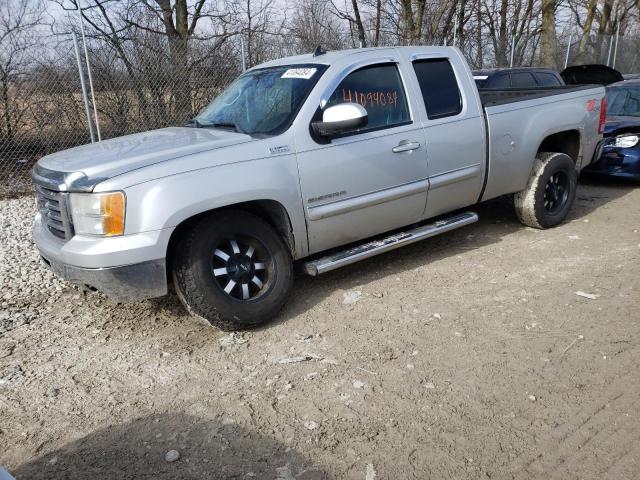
(376, 247)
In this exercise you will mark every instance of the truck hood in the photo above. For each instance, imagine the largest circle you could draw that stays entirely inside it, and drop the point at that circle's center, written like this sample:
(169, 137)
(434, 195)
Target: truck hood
(120, 155)
(590, 74)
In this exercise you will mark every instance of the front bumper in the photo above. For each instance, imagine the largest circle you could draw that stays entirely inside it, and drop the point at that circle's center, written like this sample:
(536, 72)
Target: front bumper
(127, 268)
(617, 162)
(128, 283)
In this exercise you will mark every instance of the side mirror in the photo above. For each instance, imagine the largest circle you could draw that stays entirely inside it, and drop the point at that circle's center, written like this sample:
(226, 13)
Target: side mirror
(342, 118)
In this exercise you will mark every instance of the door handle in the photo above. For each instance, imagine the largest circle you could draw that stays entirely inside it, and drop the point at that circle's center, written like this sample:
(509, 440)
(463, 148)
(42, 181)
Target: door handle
(406, 146)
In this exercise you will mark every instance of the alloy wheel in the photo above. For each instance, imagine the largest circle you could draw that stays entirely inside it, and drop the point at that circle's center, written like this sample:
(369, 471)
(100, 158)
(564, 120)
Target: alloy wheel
(242, 268)
(556, 192)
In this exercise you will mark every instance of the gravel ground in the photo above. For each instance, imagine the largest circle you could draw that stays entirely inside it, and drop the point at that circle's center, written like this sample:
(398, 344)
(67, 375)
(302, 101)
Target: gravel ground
(469, 355)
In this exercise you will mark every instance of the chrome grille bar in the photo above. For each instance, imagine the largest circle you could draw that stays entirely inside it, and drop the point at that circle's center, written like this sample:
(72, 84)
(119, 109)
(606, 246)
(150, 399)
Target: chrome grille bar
(53, 207)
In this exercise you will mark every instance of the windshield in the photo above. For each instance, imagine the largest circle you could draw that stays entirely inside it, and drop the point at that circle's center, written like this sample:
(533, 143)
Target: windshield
(623, 101)
(263, 101)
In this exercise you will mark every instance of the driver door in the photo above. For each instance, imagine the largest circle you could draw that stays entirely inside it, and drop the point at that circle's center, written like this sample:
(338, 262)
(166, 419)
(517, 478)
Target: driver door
(371, 180)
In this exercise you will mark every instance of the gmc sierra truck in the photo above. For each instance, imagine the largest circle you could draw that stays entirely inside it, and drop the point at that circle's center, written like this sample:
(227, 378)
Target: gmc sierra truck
(321, 159)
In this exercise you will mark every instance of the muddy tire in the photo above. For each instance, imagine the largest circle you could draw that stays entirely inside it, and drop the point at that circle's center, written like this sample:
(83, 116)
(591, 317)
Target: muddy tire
(233, 270)
(550, 192)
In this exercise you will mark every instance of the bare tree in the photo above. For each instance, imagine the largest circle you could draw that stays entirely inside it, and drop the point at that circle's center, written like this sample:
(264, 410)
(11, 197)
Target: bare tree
(18, 22)
(313, 24)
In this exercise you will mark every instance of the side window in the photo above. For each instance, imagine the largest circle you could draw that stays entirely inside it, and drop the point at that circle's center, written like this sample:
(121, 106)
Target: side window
(547, 80)
(439, 87)
(522, 80)
(501, 81)
(379, 89)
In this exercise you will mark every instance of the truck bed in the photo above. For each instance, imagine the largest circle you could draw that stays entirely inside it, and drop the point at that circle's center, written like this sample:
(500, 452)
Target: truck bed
(517, 120)
(500, 96)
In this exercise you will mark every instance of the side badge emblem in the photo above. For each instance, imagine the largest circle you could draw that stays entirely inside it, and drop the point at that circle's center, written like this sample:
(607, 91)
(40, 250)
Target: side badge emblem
(279, 149)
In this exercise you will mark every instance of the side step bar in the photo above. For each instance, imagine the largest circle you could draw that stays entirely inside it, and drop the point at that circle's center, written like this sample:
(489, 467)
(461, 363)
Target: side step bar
(376, 247)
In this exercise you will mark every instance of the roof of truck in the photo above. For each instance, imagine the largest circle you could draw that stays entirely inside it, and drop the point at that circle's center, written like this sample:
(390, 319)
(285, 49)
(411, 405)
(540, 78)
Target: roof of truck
(335, 55)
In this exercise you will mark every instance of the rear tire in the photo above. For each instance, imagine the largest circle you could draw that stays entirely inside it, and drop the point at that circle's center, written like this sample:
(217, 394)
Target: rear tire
(233, 270)
(550, 191)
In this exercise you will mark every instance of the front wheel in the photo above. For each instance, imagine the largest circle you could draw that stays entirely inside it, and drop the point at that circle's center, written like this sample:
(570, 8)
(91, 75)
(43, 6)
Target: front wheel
(550, 192)
(232, 269)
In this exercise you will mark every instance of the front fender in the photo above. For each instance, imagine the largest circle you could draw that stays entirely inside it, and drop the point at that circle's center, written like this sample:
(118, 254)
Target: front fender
(166, 202)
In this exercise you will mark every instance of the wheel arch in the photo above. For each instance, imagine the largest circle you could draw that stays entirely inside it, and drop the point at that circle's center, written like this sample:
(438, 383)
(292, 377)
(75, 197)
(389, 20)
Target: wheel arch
(271, 211)
(565, 141)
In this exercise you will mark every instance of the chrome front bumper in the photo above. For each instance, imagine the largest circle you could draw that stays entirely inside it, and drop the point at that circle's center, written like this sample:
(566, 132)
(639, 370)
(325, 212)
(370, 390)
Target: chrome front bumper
(128, 283)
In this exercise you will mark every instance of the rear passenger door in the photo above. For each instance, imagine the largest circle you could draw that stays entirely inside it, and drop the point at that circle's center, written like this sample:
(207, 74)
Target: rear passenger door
(454, 132)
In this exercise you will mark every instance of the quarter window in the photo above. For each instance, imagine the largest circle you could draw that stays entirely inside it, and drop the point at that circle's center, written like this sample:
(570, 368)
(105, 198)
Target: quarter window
(379, 89)
(439, 87)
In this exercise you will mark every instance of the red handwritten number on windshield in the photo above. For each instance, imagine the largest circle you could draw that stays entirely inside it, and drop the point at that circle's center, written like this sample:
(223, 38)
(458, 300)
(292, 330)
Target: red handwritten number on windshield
(372, 99)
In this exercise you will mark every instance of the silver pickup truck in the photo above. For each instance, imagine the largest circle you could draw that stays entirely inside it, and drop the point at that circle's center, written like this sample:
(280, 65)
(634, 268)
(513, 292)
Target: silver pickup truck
(326, 158)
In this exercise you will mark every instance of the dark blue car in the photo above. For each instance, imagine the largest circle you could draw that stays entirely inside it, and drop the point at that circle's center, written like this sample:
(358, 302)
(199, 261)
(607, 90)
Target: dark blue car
(621, 151)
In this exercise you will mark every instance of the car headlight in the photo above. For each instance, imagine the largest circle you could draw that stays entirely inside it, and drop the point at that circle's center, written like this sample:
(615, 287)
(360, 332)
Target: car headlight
(98, 213)
(624, 141)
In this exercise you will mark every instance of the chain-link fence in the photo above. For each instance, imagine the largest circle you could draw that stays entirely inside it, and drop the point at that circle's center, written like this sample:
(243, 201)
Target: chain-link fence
(43, 108)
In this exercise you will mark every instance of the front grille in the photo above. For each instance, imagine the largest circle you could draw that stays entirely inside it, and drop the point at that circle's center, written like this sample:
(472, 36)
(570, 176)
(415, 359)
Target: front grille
(55, 215)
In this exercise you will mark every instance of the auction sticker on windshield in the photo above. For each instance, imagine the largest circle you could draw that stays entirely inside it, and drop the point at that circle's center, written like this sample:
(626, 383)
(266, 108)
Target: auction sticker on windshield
(305, 73)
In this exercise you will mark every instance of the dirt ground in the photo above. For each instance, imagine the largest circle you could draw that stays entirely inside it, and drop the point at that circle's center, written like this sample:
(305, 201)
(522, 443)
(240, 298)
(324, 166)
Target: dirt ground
(469, 355)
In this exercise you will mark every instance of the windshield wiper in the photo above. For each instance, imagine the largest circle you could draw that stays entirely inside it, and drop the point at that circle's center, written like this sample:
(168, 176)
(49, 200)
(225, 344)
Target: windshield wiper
(193, 122)
(225, 125)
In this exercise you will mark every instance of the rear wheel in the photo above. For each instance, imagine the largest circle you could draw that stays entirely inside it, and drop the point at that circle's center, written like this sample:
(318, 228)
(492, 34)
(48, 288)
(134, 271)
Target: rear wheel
(550, 192)
(233, 269)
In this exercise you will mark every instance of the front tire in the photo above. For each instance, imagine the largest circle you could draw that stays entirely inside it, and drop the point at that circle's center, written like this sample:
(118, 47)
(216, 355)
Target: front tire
(550, 192)
(233, 270)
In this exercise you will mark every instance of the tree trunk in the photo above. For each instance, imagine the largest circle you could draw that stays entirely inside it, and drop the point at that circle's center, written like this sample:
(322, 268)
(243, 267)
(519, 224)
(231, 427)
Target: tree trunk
(586, 32)
(6, 113)
(603, 29)
(479, 34)
(549, 33)
(501, 53)
(356, 13)
(178, 36)
(460, 32)
(378, 15)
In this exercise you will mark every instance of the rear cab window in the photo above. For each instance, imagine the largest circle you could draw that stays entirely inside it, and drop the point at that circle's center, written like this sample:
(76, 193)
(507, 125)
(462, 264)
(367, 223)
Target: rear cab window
(439, 87)
(501, 81)
(379, 89)
(547, 79)
(522, 80)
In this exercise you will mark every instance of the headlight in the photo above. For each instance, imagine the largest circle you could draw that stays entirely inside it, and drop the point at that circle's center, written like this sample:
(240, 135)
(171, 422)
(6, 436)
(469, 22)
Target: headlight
(98, 213)
(624, 141)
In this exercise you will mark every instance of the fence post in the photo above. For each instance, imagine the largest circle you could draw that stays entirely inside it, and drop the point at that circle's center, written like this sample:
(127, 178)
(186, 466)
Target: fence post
(566, 59)
(86, 57)
(610, 46)
(244, 61)
(83, 87)
(513, 47)
(615, 50)
(455, 26)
